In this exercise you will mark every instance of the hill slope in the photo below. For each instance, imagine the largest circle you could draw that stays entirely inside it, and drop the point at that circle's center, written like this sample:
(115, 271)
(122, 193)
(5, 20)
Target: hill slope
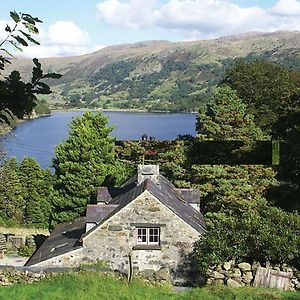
(159, 75)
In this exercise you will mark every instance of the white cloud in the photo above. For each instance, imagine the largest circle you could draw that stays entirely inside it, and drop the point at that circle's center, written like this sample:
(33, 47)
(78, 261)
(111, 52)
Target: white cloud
(132, 13)
(62, 38)
(286, 8)
(201, 18)
(66, 33)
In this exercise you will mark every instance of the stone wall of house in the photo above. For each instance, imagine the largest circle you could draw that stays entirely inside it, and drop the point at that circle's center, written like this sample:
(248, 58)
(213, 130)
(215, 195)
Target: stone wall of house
(114, 241)
(243, 274)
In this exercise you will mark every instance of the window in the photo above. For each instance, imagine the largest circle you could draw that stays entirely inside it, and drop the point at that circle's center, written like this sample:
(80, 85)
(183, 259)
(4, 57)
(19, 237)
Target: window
(148, 236)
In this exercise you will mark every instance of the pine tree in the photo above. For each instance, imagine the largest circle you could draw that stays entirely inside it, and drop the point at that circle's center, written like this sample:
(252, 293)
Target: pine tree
(83, 162)
(37, 190)
(12, 204)
(227, 119)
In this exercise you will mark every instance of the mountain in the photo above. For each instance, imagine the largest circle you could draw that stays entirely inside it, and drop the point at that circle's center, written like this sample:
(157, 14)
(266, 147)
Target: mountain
(159, 75)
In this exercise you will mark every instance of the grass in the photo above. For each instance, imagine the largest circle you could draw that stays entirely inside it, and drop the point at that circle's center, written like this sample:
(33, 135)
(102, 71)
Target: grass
(88, 285)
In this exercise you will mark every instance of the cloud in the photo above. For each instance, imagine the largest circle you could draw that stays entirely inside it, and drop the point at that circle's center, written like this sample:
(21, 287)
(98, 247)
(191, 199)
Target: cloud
(62, 38)
(200, 18)
(132, 14)
(66, 33)
(286, 8)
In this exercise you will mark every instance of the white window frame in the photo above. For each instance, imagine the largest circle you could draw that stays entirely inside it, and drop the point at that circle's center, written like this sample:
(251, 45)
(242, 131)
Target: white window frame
(147, 242)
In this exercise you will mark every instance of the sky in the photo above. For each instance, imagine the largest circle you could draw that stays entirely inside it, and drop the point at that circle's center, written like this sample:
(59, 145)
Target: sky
(75, 27)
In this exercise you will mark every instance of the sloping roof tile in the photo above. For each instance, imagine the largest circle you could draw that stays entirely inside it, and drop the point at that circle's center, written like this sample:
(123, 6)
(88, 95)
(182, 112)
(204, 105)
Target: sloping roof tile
(64, 238)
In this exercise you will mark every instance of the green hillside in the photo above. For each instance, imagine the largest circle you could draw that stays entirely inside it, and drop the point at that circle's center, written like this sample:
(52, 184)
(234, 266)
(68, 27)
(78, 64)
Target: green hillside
(159, 75)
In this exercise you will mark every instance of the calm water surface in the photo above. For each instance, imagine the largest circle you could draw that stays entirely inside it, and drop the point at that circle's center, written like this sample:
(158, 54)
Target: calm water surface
(38, 138)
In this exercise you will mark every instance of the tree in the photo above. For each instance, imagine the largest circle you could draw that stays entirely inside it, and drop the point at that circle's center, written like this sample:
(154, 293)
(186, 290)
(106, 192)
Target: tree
(12, 204)
(83, 162)
(16, 96)
(37, 191)
(233, 189)
(269, 90)
(227, 119)
(287, 129)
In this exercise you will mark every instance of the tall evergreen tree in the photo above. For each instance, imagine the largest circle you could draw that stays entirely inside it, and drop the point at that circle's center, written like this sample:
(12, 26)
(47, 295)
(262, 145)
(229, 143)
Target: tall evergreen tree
(83, 162)
(12, 204)
(37, 191)
(227, 119)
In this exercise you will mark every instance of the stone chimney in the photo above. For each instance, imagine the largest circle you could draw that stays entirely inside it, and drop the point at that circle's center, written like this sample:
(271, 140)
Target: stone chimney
(148, 172)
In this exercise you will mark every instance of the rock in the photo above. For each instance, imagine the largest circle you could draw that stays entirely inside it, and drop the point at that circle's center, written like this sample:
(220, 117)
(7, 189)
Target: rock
(209, 281)
(232, 283)
(236, 273)
(227, 265)
(247, 277)
(217, 275)
(163, 274)
(148, 274)
(244, 266)
(115, 228)
(218, 268)
(218, 282)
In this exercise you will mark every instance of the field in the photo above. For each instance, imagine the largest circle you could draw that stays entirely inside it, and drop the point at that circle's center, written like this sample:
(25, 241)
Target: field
(96, 286)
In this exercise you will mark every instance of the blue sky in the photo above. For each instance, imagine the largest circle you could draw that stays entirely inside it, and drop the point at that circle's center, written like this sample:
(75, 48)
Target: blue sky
(74, 27)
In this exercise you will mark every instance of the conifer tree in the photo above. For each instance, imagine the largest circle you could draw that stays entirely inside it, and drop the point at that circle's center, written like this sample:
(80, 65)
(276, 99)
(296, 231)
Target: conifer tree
(227, 119)
(12, 204)
(83, 162)
(37, 190)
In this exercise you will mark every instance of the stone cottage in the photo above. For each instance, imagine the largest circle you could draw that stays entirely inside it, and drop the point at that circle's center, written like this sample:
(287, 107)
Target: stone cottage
(147, 220)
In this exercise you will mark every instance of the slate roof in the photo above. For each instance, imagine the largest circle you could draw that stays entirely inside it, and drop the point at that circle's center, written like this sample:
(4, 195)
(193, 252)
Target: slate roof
(167, 194)
(96, 213)
(190, 195)
(64, 238)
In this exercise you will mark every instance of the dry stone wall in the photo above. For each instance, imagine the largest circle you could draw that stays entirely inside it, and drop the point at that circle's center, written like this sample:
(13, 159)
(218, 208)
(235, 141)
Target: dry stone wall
(243, 274)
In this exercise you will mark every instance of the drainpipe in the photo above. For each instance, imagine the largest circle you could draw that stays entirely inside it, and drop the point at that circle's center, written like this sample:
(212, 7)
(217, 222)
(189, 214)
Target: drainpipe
(130, 271)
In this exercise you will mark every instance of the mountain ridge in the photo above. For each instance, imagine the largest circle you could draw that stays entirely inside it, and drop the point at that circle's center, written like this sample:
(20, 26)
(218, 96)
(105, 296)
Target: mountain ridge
(159, 74)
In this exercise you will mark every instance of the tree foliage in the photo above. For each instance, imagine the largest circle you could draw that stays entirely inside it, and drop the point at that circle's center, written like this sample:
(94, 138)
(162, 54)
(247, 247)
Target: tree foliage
(12, 203)
(83, 162)
(232, 189)
(227, 119)
(16, 96)
(269, 90)
(26, 191)
(37, 187)
(268, 234)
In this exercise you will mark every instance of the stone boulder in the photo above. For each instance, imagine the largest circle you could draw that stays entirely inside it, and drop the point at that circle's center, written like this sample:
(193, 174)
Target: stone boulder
(163, 274)
(247, 277)
(244, 267)
(227, 265)
(233, 283)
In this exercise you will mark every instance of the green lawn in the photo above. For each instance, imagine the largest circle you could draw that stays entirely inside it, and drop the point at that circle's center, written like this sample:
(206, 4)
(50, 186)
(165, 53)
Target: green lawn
(85, 286)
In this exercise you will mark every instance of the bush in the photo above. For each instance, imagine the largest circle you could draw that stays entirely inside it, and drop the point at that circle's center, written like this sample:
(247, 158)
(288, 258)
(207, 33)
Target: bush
(26, 250)
(268, 234)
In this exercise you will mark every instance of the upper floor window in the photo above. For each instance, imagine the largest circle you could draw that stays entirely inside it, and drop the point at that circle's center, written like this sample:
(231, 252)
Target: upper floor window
(148, 236)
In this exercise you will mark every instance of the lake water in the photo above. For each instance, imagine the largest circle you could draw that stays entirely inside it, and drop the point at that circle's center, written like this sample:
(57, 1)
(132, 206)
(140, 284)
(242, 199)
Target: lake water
(38, 138)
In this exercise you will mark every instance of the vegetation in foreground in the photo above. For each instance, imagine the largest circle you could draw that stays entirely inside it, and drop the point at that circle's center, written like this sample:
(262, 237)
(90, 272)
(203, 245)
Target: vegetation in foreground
(97, 286)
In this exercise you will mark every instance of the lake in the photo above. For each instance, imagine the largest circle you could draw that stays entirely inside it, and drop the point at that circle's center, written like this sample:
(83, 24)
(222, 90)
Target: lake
(38, 138)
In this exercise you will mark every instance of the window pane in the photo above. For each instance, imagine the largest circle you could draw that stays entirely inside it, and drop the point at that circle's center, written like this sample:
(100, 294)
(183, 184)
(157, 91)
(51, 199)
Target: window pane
(153, 236)
(142, 236)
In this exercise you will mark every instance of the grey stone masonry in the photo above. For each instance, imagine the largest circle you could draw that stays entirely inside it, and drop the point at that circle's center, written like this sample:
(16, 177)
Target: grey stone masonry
(116, 239)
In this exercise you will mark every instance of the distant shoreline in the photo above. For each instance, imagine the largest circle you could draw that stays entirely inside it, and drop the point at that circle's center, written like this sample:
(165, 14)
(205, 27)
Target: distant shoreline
(118, 110)
(97, 109)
